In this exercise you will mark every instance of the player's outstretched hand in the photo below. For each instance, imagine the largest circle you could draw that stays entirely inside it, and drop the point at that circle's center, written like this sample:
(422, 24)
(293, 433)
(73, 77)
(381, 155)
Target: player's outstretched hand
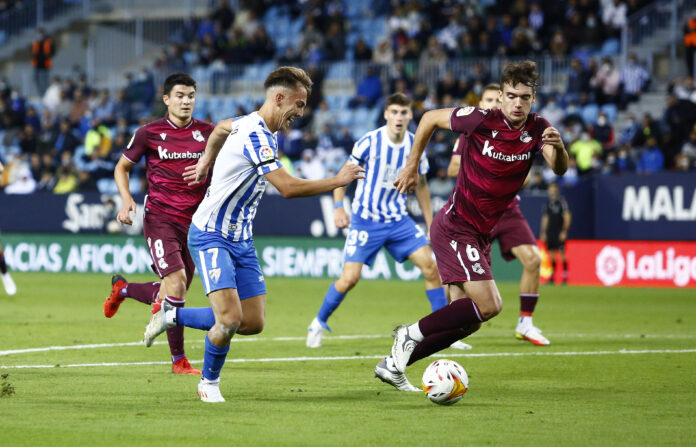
(341, 218)
(350, 172)
(552, 136)
(195, 174)
(124, 214)
(406, 180)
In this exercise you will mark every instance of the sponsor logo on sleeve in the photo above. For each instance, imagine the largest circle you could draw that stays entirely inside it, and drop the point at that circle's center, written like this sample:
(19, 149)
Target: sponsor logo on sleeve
(465, 111)
(266, 153)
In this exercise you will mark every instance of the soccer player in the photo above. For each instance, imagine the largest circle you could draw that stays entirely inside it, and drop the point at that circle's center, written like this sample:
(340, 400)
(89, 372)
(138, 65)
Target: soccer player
(220, 237)
(168, 145)
(7, 281)
(379, 216)
(554, 229)
(515, 237)
(499, 152)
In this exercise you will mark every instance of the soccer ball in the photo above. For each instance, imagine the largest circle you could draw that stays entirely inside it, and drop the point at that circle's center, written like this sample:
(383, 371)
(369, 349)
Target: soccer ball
(445, 382)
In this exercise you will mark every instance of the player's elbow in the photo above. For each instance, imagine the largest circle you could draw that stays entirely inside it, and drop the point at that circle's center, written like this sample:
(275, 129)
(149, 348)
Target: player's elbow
(286, 191)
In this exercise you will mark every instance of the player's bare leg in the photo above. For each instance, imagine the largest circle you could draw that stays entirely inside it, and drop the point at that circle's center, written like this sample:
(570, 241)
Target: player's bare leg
(530, 258)
(423, 259)
(350, 275)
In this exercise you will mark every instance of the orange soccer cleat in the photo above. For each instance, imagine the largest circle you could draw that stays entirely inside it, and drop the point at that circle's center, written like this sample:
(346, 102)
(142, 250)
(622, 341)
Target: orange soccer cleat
(182, 366)
(114, 300)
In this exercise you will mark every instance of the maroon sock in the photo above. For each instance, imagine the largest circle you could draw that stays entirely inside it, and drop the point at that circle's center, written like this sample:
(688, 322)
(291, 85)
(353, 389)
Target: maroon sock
(439, 341)
(528, 302)
(145, 292)
(175, 335)
(3, 265)
(456, 315)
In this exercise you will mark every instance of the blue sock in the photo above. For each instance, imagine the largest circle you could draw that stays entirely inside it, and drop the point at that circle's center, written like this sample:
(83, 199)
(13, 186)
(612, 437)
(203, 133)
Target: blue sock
(332, 300)
(437, 298)
(195, 317)
(213, 359)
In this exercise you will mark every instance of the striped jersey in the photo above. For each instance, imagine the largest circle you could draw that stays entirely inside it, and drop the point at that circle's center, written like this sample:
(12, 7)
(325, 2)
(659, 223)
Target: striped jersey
(376, 198)
(229, 206)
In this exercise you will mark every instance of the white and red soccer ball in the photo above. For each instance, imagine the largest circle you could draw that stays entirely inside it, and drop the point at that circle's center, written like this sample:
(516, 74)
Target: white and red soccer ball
(445, 382)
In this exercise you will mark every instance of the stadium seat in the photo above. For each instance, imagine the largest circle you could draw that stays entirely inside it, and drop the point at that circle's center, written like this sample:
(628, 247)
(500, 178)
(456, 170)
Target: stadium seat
(611, 110)
(589, 113)
(610, 47)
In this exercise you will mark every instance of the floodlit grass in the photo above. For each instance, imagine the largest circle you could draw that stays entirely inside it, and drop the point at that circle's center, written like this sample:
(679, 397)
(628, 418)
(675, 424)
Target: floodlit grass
(619, 371)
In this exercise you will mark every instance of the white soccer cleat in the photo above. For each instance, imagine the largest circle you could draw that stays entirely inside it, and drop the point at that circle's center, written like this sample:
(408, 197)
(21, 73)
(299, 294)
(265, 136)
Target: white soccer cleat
(8, 284)
(532, 334)
(402, 348)
(460, 345)
(209, 391)
(159, 322)
(386, 372)
(315, 332)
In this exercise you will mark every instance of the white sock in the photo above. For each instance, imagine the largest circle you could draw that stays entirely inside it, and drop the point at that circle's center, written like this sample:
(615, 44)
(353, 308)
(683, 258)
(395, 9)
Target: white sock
(390, 363)
(170, 317)
(525, 321)
(414, 332)
(210, 382)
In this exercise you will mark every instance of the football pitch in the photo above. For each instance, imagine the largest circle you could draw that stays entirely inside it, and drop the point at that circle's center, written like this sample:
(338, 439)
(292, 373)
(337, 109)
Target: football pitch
(619, 372)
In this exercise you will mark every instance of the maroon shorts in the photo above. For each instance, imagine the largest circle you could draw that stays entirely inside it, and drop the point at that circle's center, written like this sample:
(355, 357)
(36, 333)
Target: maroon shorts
(511, 231)
(167, 241)
(462, 253)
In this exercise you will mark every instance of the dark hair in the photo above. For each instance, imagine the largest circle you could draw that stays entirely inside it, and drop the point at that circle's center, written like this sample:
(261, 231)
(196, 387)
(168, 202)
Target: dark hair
(178, 79)
(520, 73)
(492, 86)
(288, 77)
(399, 99)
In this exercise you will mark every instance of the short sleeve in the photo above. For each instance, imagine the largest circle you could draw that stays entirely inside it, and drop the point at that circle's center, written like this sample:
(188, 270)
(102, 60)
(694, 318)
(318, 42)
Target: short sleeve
(465, 119)
(137, 146)
(262, 152)
(361, 151)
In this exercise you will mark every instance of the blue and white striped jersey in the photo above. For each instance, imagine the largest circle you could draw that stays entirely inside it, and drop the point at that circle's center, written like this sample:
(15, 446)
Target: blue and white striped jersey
(238, 181)
(376, 198)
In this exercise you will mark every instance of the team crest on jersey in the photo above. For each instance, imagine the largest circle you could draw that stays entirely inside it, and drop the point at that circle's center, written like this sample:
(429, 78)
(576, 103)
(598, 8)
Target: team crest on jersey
(163, 135)
(525, 137)
(477, 268)
(198, 136)
(265, 153)
(214, 274)
(465, 111)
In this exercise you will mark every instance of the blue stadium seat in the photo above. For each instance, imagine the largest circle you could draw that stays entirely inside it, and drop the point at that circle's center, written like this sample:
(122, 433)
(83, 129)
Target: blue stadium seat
(610, 47)
(340, 70)
(611, 110)
(589, 113)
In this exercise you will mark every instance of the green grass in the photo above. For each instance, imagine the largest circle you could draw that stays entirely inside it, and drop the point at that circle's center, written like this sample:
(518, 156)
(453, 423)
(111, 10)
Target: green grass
(589, 394)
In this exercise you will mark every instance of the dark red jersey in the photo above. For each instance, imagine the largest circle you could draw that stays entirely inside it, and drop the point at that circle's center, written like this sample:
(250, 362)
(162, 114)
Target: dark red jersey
(495, 160)
(168, 149)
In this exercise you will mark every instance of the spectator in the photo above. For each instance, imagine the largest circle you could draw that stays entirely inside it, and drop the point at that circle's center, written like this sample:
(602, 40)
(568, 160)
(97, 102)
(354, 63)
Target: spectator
(689, 147)
(578, 79)
(383, 54)
(362, 52)
(261, 45)
(614, 16)
(335, 43)
(369, 90)
(552, 112)
(683, 163)
(648, 128)
(629, 131)
(536, 183)
(310, 167)
(433, 52)
(558, 45)
(635, 80)
(583, 150)
(42, 51)
(65, 140)
(624, 163)
(606, 83)
(67, 181)
(28, 142)
(651, 159)
(52, 97)
(23, 182)
(603, 132)
(690, 41)
(77, 108)
(323, 117)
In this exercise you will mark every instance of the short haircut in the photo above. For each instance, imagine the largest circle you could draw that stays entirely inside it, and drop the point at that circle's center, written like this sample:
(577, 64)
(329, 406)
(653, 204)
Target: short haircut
(520, 73)
(288, 77)
(178, 79)
(492, 87)
(398, 99)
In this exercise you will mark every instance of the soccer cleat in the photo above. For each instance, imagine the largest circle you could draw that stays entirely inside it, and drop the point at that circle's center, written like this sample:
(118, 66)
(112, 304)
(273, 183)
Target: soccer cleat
(460, 345)
(8, 283)
(209, 391)
(532, 334)
(158, 323)
(315, 332)
(393, 377)
(114, 300)
(182, 366)
(402, 348)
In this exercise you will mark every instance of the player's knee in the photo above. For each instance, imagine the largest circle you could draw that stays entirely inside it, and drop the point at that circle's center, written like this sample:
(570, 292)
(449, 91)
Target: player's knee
(349, 280)
(532, 262)
(252, 327)
(429, 270)
(490, 308)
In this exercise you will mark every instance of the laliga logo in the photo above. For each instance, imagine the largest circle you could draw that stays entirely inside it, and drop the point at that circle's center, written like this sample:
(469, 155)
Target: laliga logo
(610, 265)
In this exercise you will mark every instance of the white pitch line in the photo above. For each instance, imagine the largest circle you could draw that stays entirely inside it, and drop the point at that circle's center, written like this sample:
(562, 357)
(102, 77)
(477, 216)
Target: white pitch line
(332, 337)
(368, 357)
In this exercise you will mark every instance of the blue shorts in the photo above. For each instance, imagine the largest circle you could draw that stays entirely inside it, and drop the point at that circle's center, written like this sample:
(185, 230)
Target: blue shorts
(225, 264)
(365, 238)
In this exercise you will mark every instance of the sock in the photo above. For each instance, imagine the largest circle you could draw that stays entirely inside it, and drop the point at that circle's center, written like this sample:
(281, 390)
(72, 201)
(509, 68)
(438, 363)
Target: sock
(195, 317)
(213, 359)
(3, 265)
(457, 314)
(176, 358)
(332, 300)
(565, 270)
(175, 335)
(144, 292)
(437, 298)
(439, 341)
(528, 302)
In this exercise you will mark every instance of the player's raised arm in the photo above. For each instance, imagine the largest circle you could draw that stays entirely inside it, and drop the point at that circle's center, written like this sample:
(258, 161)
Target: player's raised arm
(195, 174)
(408, 177)
(122, 179)
(554, 150)
(290, 186)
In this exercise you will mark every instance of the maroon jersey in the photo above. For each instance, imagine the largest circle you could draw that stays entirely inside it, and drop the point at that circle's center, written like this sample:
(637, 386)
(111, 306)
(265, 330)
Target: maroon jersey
(494, 163)
(168, 149)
